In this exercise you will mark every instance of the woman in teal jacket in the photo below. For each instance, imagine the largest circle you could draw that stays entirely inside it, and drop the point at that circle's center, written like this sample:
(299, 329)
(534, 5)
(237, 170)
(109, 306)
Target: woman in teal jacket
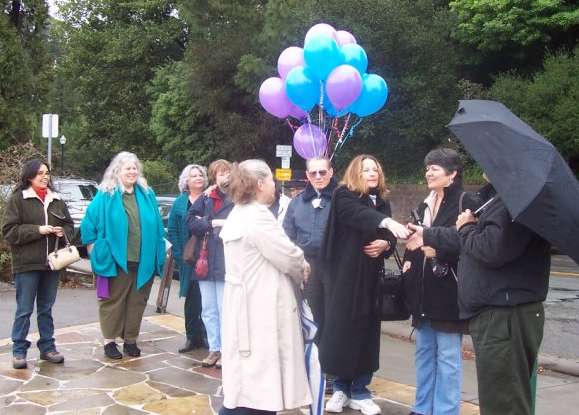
(124, 234)
(192, 182)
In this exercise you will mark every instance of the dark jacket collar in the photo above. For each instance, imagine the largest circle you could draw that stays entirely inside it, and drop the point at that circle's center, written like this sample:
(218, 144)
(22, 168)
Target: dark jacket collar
(309, 192)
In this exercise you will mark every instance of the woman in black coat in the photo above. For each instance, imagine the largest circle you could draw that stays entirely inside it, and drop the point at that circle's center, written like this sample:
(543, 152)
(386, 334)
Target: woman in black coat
(355, 245)
(430, 286)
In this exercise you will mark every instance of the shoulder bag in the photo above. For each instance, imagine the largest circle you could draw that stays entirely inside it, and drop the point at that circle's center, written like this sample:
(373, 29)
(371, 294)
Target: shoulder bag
(202, 266)
(62, 258)
(389, 302)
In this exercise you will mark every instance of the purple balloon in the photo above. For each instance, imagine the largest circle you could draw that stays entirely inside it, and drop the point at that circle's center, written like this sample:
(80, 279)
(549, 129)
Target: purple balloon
(321, 28)
(297, 113)
(343, 86)
(273, 98)
(289, 59)
(310, 141)
(345, 38)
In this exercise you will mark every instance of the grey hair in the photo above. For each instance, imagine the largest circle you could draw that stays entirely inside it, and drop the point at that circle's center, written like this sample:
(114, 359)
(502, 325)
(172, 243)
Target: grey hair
(317, 158)
(111, 180)
(184, 177)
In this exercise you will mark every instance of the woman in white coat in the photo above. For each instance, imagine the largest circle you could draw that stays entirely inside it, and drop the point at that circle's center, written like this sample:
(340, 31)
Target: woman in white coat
(262, 349)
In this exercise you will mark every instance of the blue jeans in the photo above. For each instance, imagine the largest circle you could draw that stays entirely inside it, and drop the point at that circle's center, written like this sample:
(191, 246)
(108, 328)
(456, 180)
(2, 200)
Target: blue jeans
(355, 388)
(40, 286)
(438, 371)
(211, 311)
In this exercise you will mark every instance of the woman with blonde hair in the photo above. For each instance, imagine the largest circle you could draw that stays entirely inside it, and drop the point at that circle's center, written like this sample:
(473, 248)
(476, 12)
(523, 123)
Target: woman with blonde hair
(124, 235)
(205, 219)
(359, 235)
(192, 182)
(263, 361)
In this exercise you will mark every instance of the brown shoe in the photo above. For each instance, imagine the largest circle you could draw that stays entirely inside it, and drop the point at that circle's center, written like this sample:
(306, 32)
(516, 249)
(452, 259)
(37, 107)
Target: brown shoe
(52, 357)
(19, 362)
(218, 363)
(211, 359)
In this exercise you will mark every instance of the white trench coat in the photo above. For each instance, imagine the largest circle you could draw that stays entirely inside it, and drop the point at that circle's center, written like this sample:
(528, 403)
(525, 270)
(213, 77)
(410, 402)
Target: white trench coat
(262, 345)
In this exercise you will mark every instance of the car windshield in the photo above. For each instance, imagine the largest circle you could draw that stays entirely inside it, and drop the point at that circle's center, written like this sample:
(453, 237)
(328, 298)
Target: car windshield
(74, 191)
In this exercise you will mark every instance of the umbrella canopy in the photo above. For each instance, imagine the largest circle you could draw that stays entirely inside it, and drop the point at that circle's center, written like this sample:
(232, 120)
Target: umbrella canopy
(529, 174)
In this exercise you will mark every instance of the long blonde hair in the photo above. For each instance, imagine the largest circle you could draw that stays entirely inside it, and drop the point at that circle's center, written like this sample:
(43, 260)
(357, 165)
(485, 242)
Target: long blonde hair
(354, 180)
(111, 180)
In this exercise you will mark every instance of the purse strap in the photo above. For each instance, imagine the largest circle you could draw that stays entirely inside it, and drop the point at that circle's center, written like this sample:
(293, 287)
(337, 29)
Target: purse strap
(58, 239)
(397, 259)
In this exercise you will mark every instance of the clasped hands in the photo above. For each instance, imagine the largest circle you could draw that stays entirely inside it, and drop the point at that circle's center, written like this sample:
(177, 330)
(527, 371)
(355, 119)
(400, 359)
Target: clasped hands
(48, 229)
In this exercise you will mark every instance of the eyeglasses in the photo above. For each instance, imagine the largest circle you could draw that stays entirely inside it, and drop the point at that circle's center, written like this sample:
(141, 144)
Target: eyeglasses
(315, 173)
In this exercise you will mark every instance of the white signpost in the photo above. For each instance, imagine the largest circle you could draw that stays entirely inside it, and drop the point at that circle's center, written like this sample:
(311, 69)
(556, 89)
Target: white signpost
(285, 153)
(50, 131)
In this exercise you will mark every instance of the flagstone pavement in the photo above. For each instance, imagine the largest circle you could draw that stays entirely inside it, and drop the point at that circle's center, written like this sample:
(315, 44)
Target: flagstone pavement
(161, 381)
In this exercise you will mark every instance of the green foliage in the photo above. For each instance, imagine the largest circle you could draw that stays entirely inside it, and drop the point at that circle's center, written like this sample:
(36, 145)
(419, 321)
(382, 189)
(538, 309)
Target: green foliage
(491, 25)
(25, 71)
(176, 122)
(110, 51)
(160, 175)
(548, 101)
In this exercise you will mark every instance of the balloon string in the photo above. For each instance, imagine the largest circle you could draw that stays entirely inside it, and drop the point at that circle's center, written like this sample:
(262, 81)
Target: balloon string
(351, 132)
(313, 141)
(321, 106)
(291, 125)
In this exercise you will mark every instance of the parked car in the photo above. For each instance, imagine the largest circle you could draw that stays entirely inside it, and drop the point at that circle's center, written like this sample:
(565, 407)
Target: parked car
(77, 193)
(165, 203)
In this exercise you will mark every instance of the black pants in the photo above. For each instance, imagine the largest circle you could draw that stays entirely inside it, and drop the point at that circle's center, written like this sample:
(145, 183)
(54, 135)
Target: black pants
(194, 327)
(506, 342)
(243, 411)
(314, 292)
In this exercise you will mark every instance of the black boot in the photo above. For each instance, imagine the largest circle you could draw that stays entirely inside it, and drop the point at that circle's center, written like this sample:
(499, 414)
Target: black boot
(187, 347)
(131, 349)
(112, 351)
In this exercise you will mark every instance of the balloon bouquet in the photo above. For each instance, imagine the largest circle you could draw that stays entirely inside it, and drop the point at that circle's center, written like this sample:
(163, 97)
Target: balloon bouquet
(330, 72)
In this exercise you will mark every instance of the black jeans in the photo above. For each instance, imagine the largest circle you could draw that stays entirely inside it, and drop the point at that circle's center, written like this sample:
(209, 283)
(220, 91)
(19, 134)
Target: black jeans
(506, 342)
(314, 292)
(194, 328)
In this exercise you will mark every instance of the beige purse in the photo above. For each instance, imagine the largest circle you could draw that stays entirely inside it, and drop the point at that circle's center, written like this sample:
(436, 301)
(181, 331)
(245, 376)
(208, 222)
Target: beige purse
(62, 258)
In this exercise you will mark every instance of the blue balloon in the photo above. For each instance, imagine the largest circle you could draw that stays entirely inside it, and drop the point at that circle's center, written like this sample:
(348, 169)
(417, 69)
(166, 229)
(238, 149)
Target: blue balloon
(322, 54)
(373, 97)
(355, 55)
(302, 88)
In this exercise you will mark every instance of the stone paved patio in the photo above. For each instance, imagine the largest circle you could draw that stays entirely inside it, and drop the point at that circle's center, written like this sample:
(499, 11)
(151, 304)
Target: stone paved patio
(161, 381)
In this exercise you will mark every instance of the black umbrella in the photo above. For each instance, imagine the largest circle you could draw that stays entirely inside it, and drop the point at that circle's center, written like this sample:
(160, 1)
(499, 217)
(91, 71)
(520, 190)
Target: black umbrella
(529, 174)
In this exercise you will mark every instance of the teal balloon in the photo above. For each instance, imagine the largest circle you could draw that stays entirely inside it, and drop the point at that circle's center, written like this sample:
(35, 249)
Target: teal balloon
(302, 88)
(373, 97)
(322, 54)
(356, 56)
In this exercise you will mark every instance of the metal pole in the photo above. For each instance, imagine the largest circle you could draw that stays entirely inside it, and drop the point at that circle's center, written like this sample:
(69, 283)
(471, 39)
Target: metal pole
(61, 159)
(50, 141)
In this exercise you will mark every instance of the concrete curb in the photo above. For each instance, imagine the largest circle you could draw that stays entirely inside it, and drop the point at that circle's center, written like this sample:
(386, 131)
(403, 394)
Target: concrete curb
(402, 330)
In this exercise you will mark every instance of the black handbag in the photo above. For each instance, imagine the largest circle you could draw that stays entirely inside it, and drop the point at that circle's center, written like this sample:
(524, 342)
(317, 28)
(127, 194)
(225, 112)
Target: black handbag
(389, 304)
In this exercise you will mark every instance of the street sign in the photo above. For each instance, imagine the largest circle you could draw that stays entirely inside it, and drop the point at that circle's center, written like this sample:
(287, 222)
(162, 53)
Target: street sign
(283, 174)
(49, 125)
(283, 151)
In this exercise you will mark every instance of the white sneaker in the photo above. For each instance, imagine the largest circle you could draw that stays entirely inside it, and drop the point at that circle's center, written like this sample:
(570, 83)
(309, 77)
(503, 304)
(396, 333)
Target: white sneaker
(366, 406)
(337, 402)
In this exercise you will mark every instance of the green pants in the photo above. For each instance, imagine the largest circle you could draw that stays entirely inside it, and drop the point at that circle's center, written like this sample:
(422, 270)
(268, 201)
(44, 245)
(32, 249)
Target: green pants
(122, 313)
(506, 342)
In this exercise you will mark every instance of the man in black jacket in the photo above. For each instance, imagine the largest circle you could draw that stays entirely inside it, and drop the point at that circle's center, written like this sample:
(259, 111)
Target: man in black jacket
(305, 223)
(503, 280)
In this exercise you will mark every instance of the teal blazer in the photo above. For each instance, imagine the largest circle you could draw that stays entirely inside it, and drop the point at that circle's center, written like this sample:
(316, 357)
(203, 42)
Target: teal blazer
(106, 226)
(178, 235)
